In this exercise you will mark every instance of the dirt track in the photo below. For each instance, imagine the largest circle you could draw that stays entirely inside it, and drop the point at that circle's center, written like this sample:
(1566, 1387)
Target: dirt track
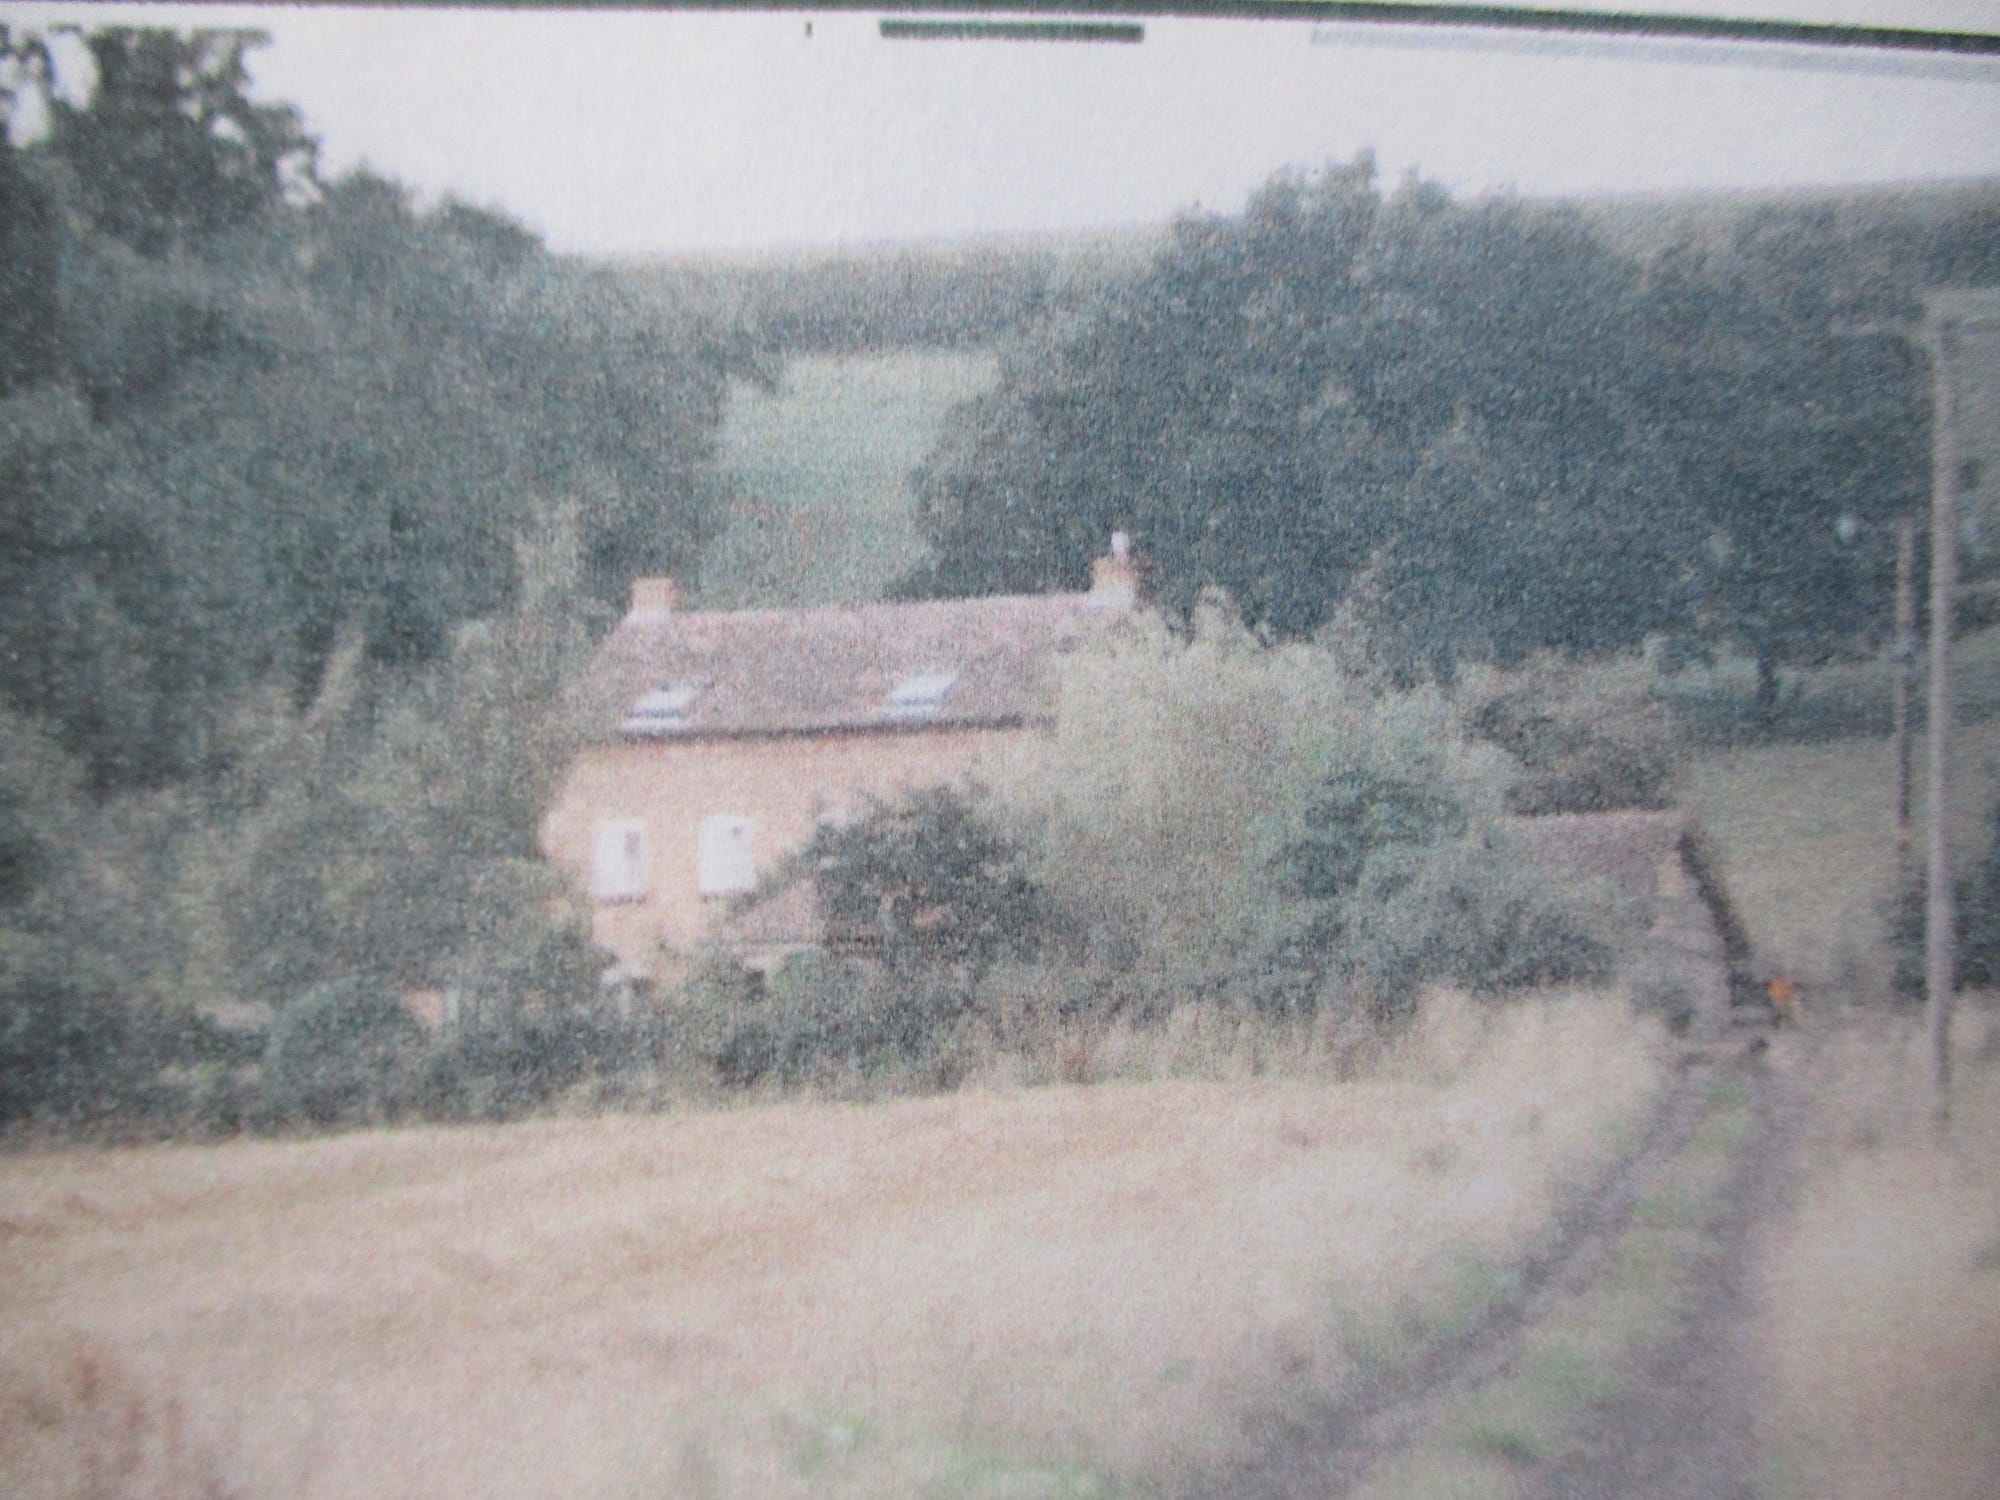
(1684, 1426)
(1699, 1385)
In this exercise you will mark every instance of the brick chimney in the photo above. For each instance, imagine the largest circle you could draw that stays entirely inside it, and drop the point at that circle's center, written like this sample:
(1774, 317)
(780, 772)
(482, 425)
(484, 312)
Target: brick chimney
(655, 596)
(1114, 578)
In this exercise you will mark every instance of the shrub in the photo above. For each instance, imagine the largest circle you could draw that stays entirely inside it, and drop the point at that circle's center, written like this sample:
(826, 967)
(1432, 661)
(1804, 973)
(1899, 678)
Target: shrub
(76, 1054)
(66, 1053)
(1179, 772)
(930, 879)
(920, 898)
(1465, 913)
(532, 1019)
(500, 1064)
(1586, 737)
(822, 1019)
(338, 1052)
(1214, 822)
(1979, 918)
(1266, 829)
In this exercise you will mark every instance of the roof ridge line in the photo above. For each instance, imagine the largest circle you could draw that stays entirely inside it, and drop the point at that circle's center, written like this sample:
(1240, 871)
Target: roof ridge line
(1066, 596)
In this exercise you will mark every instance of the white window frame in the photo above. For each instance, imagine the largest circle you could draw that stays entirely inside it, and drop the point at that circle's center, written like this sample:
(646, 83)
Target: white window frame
(663, 711)
(618, 862)
(725, 856)
(920, 695)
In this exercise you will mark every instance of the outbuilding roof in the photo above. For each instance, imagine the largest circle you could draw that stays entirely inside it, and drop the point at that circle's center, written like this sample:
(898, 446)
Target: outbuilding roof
(988, 662)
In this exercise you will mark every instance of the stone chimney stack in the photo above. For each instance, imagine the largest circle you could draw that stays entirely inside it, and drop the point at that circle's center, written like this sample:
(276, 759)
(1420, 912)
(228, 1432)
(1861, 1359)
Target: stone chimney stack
(655, 596)
(1114, 578)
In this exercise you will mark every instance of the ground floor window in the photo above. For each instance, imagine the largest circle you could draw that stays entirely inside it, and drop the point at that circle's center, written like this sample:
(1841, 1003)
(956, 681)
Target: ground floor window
(618, 871)
(726, 862)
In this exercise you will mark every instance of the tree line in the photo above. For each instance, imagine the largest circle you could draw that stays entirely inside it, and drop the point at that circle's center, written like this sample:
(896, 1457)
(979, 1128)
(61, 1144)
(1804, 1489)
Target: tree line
(309, 497)
(861, 301)
(1482, 428)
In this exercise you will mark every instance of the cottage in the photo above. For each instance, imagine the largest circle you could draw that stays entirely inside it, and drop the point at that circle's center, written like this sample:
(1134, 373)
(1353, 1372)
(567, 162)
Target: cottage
(718, 742)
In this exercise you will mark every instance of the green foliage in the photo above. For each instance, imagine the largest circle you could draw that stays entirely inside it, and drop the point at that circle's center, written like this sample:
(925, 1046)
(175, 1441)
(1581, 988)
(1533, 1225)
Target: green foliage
(63, 1053)
(391, 832)
(1588, 737)
(1174, 777)
(1979, 918)
(530, 1021)
(62, 1048)
(1479, 421)
(309, 499)
(1785, 401)
(169, 150)
(79, 1057)
(40, 816)
(1334, 380)
(1212, 822)
(245, 414)
(503, 1066)
(27, 259)
(832, 1021)
(1463, 910)
(926, 880)
(906, 297)
(920, 898)
(87, 1038)
(1216, 818)
(338, 1052)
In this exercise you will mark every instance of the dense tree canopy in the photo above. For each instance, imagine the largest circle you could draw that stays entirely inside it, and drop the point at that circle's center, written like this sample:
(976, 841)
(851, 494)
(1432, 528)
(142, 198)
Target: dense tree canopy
(170, 150)
(1481, 421)
(245, 409)
(308, 496)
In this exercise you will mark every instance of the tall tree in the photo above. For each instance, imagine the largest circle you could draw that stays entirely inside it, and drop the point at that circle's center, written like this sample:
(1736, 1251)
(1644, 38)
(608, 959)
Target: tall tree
(255, 418)
(1797, 423)
(27, 230)
(1334, 381)
(1478, 419)
(169, 148)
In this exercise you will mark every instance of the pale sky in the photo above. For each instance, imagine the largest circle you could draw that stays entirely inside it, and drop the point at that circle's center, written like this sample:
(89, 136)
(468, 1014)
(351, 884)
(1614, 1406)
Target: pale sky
(640, 133)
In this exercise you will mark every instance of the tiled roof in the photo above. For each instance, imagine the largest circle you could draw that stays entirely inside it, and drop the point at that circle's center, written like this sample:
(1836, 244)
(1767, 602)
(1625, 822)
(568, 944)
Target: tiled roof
(954, 662)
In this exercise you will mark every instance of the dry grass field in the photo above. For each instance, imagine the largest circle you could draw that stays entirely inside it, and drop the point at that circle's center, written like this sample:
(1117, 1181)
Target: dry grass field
(1065, 1290)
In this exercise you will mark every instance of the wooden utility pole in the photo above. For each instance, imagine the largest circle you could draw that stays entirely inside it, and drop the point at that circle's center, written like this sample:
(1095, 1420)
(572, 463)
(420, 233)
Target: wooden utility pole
(1940, 935)
(1903, 667)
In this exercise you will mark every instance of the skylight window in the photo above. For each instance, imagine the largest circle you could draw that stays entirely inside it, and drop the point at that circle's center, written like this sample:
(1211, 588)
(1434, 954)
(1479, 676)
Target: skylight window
(661, 711)
(918, 697)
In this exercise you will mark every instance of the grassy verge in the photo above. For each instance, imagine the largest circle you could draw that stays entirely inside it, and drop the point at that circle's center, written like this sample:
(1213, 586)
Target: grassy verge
(1882, 1288)
(1491, 1441)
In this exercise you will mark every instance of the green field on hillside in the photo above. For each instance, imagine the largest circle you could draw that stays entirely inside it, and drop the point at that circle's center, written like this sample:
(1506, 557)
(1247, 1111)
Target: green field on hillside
(823, 468)
(1806, 824)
